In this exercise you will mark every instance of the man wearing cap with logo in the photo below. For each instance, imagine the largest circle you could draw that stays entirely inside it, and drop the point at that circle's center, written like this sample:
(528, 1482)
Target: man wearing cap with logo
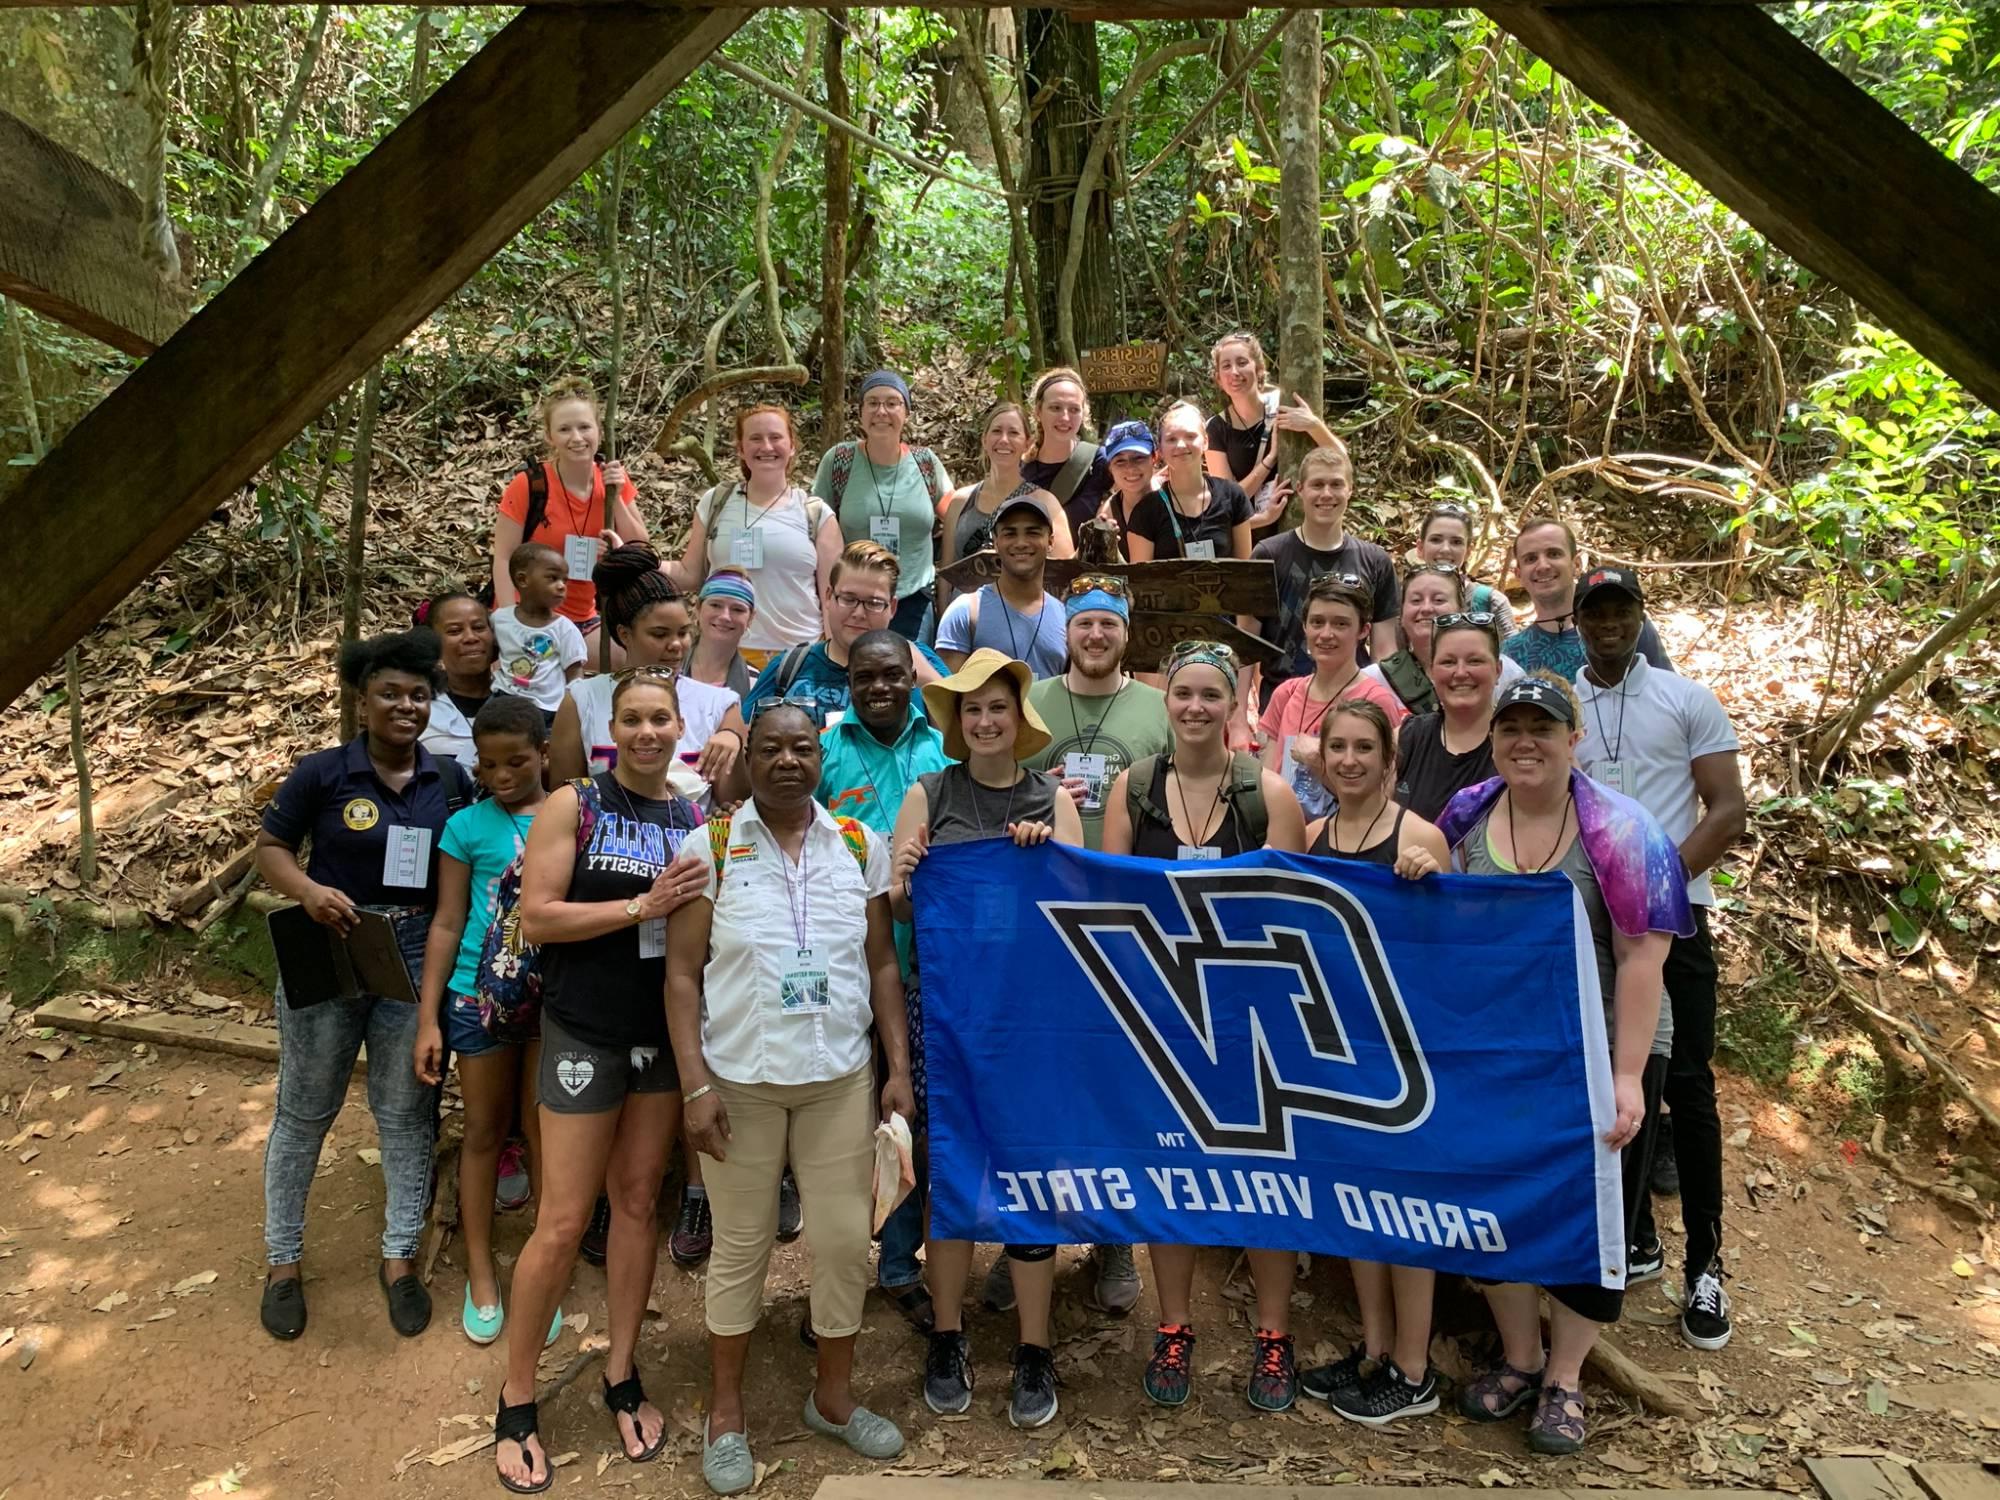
(1666, 743)
(1016, 616)
(1102, 720)
(1545, 552)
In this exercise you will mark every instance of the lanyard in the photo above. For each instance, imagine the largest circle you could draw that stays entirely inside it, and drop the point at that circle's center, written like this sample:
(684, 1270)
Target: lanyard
(798, 895)
(907, 763)
(1006, 816)
(569, 499)
(1210, 825)
(1597, 713)
(1098, 725)
(886, 507)
(764, 513)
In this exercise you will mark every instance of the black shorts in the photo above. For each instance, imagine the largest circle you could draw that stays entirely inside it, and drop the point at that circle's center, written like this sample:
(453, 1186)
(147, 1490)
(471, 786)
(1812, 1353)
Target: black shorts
(582, 1078)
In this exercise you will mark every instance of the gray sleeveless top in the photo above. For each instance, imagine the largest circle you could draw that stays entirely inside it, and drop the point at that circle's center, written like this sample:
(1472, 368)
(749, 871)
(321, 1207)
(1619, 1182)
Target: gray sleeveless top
(974, 532)
(962, 809)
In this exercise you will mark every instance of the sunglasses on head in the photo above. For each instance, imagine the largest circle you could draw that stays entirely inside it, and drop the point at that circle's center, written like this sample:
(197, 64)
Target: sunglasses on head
(1478, 619)
(651, 669)
(1449, 508)
(1092, 583)
(1198, 648)
(1449, 569)
(1350, 580)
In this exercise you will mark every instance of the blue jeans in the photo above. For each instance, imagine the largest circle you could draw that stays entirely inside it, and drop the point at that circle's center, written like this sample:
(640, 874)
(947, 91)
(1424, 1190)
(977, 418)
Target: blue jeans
(913, 619)
(317, 1046)
(902, 1236)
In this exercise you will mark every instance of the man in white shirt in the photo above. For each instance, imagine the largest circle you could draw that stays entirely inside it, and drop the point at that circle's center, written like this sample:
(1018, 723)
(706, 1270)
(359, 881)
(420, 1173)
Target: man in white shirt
(1665, 742)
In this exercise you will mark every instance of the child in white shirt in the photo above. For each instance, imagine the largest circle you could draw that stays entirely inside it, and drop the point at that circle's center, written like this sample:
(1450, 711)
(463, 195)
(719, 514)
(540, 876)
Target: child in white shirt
(539, 650)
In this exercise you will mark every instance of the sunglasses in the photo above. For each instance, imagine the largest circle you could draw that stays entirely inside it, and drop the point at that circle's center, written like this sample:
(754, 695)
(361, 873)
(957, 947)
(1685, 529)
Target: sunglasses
(1202, 648)
(1092, 583)
(651, 669)
(1477, 619)
(1449, 508)
(1449, 569)
(1349, 580)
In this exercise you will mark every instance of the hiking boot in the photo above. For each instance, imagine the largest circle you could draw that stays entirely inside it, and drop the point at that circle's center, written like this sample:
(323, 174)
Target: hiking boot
(1274, 1372)
(694, 1232)
(1117, 1286)
(1034, 1401)
(1324, 1382)
(791, 1216)
(1169, 1373)
(998, 1291)
(1705, 1313)
(948, 1374)
(1388, 1395)
(597, 1236)
(1644, 1263)
(512, 1186)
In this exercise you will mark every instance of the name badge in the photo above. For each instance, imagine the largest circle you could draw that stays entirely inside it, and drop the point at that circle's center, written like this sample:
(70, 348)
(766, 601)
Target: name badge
(1089, 769)
(746, 549)
(887, 531)
(653, 938)
(580, 553)
(833, 717)
(804, 991)
(1198, 851)
(1201, 551)
(406, 862)
(1614, 775)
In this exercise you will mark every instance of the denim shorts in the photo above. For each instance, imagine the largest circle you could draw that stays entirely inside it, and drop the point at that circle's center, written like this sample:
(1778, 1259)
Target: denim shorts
(463, 1032)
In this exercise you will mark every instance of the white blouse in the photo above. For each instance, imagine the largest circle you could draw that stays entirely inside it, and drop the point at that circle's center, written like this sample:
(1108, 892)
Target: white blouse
(763, 901)
(702, 708)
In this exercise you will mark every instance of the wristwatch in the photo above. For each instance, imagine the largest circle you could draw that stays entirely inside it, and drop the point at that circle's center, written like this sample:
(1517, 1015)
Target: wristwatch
(632, 908)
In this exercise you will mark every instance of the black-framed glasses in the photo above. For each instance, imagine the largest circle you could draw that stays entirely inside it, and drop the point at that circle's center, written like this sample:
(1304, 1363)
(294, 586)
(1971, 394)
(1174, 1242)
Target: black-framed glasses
(1093, 583)
(858, 601)
(1477, 619)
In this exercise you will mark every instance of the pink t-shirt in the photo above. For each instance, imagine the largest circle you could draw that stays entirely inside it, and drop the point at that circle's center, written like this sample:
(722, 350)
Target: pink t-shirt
(1292, 711)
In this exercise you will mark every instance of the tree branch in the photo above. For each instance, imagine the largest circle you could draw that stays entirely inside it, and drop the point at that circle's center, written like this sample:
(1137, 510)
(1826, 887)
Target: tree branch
(974, 58)
(267, 170)
(767, 185)
(1227, 87)
(714, 384)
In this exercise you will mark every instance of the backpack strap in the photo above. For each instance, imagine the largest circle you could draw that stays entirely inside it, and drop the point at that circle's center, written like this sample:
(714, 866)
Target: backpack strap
(788, 666)
(841, 472)
(1139, 779)
(451, 776)
(1409, 682)
(589, 804)
(1063, 484)
(709, 506)
(537, 516)
(932, 472)
(1246, 794)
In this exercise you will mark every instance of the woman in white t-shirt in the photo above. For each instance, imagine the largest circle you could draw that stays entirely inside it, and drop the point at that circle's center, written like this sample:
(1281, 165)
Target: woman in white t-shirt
(768, 529)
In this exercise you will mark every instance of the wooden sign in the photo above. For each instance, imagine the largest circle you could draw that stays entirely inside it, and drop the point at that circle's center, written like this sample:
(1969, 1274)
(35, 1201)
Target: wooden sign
(1126, 367)
(1155, 636)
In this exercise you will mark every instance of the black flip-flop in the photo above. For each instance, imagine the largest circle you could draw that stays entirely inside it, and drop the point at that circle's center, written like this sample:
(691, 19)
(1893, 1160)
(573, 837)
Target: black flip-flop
(516, 1424)
(624, 1400)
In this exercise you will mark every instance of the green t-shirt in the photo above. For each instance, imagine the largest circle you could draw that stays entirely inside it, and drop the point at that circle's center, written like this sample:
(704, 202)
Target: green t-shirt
(1122, 727)
(875, 493)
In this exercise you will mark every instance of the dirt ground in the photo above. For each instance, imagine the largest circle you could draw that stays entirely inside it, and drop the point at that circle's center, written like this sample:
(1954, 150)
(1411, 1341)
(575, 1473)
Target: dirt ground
(132, 1364)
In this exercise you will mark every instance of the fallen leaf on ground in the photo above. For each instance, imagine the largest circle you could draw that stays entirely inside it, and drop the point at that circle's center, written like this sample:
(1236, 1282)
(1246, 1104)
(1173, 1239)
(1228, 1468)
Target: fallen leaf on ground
(116, 1299)
(194, 1283)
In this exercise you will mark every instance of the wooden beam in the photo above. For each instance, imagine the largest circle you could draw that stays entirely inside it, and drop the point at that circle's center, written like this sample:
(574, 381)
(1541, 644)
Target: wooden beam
(1782, 137)
(1081, 9)
(382, 247)
(69, 245)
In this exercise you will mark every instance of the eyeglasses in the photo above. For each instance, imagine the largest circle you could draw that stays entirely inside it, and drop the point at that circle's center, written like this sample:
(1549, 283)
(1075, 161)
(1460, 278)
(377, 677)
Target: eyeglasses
(1477, 619)
(1449, 508)
(807, 706)
(875, 606)
(1449, 569)
(1093, 583)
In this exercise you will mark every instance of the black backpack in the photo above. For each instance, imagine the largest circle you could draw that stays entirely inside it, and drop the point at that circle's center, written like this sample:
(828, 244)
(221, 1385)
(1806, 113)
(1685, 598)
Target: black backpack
(537, 473)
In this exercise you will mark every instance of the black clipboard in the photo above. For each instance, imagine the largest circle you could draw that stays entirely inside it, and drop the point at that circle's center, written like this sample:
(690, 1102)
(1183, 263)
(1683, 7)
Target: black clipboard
(317, 964)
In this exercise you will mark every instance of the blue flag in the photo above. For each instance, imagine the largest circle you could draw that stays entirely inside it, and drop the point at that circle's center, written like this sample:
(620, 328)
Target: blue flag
(1276, 1051)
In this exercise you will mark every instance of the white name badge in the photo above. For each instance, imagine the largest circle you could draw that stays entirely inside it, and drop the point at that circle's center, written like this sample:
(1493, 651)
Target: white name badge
(1613, 774)
(580, 554)
(804, 990)
(406, 861)
(1198, 851)
(1201, 551)
(746, 549)
(887, 531)
(1089, 769)
(833, 717)
(653, 938)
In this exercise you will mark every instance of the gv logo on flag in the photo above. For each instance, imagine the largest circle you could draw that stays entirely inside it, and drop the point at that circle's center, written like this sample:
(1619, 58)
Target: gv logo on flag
(1255, 1012)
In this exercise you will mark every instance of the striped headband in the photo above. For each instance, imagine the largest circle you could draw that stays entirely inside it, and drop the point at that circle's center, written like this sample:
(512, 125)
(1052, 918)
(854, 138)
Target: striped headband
(727, 585)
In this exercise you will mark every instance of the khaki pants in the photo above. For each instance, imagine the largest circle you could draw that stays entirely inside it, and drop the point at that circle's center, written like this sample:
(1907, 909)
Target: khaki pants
(826, 1130)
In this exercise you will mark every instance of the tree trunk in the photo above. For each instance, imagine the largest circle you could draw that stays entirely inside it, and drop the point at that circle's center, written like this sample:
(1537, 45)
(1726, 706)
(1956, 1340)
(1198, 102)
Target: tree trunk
(266, 177)
(614, 274)
(1301, 291)
(969, 29)
(833, 244)
(1062, 63)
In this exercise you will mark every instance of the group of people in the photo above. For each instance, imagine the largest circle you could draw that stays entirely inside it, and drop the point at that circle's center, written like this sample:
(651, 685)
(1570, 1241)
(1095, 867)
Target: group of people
(670, 904)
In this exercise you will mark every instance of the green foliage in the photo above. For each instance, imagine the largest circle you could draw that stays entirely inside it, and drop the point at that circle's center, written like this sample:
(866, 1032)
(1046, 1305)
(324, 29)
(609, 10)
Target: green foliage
(1757, 1033)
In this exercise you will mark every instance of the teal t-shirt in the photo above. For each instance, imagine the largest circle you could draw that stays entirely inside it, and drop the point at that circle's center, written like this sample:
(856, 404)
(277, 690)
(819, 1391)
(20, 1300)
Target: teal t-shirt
(903, 493)
(863, 779)
(485, 838)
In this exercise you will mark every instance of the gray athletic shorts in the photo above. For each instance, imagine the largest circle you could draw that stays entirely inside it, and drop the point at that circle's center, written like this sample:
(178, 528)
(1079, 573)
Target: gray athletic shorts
(582, 1078)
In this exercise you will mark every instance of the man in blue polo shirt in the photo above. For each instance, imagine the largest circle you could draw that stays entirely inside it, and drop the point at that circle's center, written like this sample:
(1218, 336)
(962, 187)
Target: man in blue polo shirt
(868, 760)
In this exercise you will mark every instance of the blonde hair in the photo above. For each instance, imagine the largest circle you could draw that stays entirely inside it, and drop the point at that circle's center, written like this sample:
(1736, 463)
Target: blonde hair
(1183, 404)
(569, 388)
(1247, 340)
(1333, 455)
(868, 557)
(1060, 375)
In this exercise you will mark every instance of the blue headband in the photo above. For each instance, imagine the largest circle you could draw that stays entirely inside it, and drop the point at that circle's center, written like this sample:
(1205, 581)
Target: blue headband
(729, 586)
(1102, 599)
(890, 379)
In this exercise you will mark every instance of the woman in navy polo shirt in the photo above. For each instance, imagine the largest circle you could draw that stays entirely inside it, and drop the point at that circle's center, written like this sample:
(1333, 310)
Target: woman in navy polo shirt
(373, 810)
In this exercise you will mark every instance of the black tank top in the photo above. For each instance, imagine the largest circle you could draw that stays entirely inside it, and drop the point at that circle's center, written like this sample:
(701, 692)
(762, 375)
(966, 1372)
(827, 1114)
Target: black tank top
(1382, 852)
(962, 809)
(1155, 838)
(600, 989)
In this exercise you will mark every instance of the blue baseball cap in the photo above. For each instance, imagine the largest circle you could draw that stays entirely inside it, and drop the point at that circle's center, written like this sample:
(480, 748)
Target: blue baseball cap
(1128, 437)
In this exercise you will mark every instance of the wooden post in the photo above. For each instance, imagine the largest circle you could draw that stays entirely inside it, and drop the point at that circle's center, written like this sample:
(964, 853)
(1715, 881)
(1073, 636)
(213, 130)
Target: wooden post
(833, 243)
(1301, 289)
(381, 248)
(1809, 158)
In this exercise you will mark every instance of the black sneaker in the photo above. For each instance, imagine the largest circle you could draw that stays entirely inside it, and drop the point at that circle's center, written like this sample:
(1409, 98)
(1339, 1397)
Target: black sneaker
(409, 1303)
(597, 1237)
(1324, 1382)
(1387, 1395)
(1274, 1372)
(1705, 1314)
(791, 1217)
(1170, 1372)
(283, 1310)
(694, 1232)
(1666, 1176)
(948, 1374)
(1644, 1263)
(1034, 1403)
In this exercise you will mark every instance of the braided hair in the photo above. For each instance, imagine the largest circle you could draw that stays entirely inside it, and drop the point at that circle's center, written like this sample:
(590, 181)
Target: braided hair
(629, 583)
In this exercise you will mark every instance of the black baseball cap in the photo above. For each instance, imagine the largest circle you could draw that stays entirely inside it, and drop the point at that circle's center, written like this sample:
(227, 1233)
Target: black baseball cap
(1609, 576)
(1535, 693)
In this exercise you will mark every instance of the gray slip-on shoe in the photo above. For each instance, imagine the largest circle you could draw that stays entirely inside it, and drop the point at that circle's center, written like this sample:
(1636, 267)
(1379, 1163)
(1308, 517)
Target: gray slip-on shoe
(726, 1464)
(867, 1434)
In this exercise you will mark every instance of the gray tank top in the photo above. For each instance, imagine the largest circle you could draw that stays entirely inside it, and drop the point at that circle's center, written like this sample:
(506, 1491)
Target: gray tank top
(974, 532)
(962, 809)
